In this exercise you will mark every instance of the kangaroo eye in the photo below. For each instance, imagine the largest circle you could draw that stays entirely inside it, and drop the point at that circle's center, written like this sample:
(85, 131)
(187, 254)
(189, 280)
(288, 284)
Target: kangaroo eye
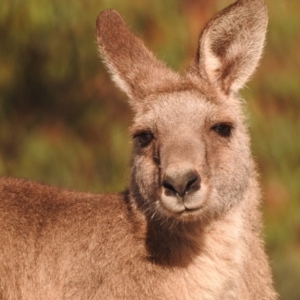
(223, 129)
(144, 138)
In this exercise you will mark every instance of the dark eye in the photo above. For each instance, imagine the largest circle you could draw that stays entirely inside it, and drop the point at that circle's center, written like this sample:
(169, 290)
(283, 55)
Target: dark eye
(144, 138)
(223, 129)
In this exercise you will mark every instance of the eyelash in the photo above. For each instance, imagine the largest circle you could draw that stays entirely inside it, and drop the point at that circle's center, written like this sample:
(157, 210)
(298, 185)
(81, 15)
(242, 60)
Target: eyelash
(144, 138)
(223, 129)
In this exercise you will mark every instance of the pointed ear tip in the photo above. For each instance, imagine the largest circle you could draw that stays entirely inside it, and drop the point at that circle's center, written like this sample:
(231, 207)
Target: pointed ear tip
(264, 9)
(106, 17)
(258, 6)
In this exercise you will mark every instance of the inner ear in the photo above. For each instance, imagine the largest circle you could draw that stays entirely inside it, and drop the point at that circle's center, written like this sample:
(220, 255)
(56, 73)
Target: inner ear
(133, 67)
(231, 44)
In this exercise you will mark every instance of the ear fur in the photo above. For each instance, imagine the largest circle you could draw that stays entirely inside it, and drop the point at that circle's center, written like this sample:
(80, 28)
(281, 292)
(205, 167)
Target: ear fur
(133, 67)
(231, 44)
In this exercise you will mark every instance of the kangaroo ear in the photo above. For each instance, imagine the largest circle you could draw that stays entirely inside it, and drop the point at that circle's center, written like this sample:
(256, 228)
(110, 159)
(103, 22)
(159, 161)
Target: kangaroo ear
(133, 67)
(231, 44)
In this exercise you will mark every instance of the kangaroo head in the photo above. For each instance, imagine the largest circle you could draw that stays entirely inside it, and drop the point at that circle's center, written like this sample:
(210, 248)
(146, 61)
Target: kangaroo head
(192, 158)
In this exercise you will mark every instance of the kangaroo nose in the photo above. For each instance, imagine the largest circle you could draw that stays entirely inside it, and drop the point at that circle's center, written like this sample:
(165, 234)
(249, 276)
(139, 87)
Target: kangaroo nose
(181, 183)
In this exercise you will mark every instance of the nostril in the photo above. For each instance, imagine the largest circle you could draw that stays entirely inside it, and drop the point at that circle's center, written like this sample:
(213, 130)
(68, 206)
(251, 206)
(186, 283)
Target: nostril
(193, 182)
(167, 184)
(181, 184)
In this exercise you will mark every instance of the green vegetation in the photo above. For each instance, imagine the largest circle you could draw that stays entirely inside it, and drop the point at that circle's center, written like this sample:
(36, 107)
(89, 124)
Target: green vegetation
(63, 122)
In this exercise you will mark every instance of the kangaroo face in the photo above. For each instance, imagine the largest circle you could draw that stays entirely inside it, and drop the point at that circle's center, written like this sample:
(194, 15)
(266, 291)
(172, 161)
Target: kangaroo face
(189, 150)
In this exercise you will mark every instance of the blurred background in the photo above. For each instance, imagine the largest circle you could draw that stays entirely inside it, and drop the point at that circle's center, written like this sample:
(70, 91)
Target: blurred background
(63, 122)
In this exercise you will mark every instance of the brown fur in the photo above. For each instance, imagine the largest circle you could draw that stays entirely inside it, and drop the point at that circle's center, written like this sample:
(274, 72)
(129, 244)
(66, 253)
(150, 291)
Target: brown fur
(189, 226)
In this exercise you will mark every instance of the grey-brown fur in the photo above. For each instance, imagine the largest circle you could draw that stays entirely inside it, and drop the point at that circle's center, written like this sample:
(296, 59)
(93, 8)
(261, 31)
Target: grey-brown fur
(189, 226)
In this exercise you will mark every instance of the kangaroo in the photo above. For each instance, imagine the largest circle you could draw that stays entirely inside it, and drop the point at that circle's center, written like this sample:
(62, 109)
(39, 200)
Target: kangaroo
(189, 225)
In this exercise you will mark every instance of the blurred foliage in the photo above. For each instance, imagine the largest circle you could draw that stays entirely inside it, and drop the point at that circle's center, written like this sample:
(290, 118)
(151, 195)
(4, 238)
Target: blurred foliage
(63, 122)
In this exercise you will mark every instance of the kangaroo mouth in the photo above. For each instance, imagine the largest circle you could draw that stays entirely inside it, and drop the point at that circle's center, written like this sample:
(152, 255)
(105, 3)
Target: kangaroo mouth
(180, 206)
